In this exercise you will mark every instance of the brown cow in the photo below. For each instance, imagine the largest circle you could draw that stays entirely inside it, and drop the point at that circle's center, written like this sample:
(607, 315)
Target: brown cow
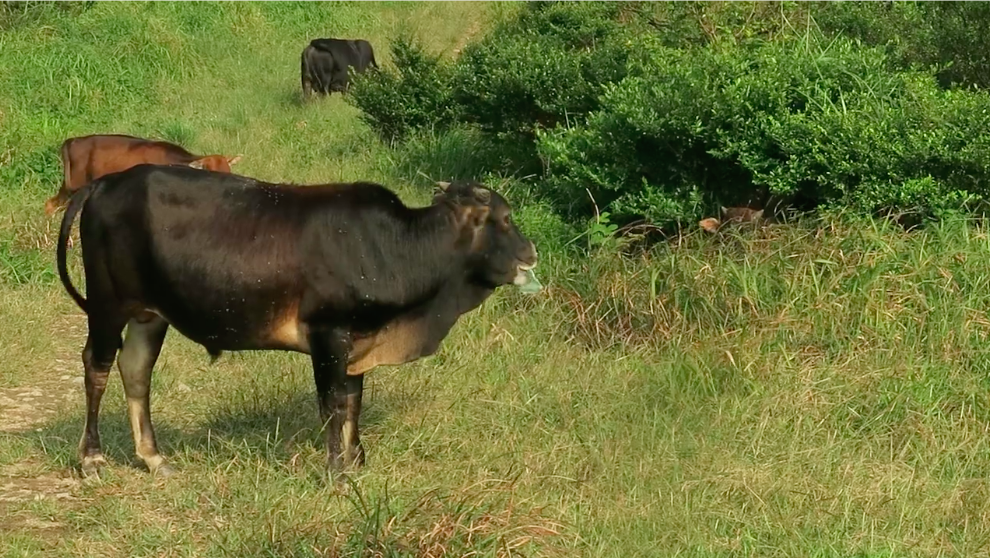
(731, 215)
(87, 158)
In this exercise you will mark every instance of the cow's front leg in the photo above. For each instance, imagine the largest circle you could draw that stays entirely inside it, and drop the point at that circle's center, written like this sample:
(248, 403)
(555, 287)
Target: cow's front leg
(329, 348)
(353, 452)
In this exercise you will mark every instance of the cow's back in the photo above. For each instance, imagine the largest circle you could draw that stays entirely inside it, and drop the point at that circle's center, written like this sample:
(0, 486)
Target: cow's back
(91, 157)
(356, 53)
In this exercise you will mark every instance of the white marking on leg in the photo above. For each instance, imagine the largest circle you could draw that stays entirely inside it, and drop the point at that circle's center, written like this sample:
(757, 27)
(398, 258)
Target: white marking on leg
(136, 361)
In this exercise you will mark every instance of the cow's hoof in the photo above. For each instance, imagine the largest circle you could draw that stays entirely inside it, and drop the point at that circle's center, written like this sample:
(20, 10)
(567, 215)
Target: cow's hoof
(354, 460)
(164, 470)
(334, 472)
(339, 480)
(92, 467)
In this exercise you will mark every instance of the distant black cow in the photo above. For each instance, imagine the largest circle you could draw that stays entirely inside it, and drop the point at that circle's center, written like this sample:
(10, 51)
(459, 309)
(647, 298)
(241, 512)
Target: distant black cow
(325, 63)
(343, 272)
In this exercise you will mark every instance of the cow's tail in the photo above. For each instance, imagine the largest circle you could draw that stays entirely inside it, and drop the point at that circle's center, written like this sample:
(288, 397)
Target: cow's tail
(75, 204)
(53, 203)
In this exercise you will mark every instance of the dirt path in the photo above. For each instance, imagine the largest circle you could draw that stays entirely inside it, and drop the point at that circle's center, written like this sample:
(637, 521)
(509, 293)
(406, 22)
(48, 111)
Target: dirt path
(54, 389)
(25, 408)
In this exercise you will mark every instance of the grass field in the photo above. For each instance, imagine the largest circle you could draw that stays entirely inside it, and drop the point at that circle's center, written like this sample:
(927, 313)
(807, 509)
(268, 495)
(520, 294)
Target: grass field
(818, 389)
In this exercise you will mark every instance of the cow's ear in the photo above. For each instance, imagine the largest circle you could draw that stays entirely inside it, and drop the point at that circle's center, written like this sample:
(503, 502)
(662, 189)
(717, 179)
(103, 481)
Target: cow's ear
(482, 195)
(197, 164)
(234, 160)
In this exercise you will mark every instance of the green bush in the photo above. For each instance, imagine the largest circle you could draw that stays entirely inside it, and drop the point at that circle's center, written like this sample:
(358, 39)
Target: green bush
(542, 69)
(664, 111)
(952, 36)
(961, 36)
(415, 95)
(806, 122)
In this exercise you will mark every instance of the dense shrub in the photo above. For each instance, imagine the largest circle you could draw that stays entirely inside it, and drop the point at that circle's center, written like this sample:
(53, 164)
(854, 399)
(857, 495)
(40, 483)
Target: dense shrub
(954, 37)
(415, 95)
(665, 110)
(961, 35)
(543, 68)
(803, 122)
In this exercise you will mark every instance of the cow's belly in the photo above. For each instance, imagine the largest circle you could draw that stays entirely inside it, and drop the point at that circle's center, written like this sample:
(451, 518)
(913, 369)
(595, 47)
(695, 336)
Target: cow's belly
(251, 321)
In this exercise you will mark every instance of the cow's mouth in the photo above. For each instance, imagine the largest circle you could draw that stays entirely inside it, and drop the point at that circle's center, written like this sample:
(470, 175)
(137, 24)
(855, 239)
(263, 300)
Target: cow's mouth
(526, 280)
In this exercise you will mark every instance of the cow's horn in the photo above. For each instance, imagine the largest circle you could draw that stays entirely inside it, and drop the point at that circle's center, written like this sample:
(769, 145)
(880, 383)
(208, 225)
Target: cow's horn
(482, 195)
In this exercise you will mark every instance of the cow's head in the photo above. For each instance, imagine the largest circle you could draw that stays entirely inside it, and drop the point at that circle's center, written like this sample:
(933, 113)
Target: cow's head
(498, 254)
(216, 163)
(740, 214)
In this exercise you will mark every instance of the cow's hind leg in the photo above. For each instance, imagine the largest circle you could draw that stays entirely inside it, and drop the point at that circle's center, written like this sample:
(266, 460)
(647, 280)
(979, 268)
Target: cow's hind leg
(142, 345)
(353, 452)
(307, 82)
(98, 355)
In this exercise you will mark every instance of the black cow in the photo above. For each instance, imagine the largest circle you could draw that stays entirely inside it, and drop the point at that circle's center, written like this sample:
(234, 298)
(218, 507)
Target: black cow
(325, 63)
(343, 272)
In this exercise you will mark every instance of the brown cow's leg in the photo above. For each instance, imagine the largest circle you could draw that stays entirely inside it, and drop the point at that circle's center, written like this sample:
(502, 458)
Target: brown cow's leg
(353, 452)
(329, 348)
(101, 348)
(142, 345)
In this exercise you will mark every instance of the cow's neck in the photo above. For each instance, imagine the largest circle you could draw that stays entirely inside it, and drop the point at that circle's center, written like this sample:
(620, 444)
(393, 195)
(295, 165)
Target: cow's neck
(430, 250)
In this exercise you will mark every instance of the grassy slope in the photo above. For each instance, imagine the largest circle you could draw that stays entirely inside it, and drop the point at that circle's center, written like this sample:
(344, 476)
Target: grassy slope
(799, 392)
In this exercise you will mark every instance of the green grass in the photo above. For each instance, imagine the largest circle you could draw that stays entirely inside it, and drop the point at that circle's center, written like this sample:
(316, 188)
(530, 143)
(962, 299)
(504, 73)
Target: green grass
(817, 389)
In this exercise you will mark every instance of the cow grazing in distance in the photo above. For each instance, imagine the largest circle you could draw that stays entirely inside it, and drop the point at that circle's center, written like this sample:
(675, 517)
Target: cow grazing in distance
(346, 273)
(325, 63)
(731, 215)
(87, 158)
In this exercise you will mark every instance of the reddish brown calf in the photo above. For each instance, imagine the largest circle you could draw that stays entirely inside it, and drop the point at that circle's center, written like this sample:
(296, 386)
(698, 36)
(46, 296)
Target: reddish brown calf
(731, 215)
(87, 158)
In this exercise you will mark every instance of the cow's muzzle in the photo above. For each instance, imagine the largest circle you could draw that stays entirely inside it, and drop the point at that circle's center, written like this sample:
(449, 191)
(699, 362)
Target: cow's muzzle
(525, 279)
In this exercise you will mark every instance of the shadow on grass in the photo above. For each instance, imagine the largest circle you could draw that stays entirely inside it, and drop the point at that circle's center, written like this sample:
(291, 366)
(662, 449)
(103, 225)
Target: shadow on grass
(292, 97)
(273, 433)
